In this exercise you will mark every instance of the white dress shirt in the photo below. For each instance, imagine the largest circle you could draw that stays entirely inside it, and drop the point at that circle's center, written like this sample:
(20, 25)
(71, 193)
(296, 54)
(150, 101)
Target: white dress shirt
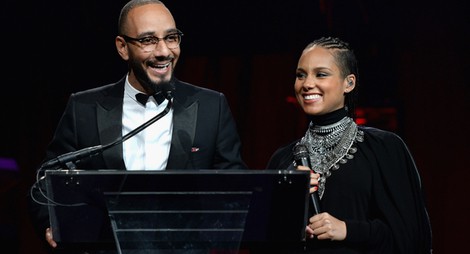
(148, 149)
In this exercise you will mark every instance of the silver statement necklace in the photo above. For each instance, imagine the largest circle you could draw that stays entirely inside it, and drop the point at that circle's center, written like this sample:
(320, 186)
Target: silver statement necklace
(331, 145)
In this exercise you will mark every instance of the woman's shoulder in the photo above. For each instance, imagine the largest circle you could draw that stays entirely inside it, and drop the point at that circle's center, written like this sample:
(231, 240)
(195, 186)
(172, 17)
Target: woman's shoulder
(282, 156)
(383, 139)
(379, 134)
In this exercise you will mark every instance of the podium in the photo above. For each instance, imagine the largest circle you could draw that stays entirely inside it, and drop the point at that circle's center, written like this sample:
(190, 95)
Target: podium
(178, 211)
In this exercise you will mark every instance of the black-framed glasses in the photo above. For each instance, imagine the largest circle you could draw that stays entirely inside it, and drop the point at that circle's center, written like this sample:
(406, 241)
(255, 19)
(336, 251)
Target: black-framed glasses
(149, 43)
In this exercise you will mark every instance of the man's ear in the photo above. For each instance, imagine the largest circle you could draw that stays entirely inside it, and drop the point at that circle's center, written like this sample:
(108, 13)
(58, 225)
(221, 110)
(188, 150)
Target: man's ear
(121, 46)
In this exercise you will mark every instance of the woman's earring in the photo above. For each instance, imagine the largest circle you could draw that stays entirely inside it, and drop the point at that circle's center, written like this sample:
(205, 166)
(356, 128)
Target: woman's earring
(350, 83)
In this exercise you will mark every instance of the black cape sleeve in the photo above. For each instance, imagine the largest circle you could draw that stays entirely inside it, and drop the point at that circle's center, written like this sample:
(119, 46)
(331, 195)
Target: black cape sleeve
(401, 198)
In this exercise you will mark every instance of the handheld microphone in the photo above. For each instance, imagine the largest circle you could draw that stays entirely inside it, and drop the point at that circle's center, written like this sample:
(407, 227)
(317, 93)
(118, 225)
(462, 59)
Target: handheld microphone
(301, 158)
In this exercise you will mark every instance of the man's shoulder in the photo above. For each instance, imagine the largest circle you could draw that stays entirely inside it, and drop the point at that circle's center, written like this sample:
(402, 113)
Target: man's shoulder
(111, 88)
(192, 88)
(186, 94)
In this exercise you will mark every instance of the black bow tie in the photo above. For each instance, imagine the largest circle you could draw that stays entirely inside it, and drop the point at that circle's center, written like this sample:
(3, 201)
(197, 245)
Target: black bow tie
(143, 98)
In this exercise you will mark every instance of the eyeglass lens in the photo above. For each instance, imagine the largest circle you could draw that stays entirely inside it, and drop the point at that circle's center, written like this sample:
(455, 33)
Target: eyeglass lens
(172, 41)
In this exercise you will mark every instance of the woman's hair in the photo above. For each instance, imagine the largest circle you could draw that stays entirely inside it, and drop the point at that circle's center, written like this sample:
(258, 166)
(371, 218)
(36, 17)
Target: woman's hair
(347, 63)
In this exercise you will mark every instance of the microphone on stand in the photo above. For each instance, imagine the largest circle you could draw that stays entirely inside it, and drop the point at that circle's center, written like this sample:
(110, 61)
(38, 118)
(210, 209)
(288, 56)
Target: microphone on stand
(163, 90)
(71, 158)
(301, 158)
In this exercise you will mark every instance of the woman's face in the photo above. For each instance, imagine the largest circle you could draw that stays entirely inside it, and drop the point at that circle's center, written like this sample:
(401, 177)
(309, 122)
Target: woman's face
(319, 85)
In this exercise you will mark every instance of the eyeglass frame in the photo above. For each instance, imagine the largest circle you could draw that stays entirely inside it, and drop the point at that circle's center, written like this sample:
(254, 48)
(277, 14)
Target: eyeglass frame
(155, 38)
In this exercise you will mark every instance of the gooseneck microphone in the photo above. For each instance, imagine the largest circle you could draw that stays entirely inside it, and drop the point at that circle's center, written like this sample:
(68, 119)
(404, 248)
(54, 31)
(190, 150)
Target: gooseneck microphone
(166, 89)
(69, 159)
(301, 158)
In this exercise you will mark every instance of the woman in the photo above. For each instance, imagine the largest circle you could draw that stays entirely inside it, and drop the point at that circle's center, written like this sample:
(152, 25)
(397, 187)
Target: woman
(369, 188)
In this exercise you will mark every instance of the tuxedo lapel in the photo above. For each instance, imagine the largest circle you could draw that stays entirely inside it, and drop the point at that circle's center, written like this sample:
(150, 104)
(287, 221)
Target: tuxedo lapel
(109, 121)
(184, 129)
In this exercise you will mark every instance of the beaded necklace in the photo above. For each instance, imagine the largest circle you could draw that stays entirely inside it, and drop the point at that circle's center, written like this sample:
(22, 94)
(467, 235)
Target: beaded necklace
(331, 145)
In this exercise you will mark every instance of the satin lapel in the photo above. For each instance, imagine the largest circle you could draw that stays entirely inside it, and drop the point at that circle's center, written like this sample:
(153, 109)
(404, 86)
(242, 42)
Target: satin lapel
(109, 114)
(184, 129)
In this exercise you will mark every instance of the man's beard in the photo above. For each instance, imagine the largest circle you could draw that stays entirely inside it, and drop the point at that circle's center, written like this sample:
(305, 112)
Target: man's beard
(149, 85)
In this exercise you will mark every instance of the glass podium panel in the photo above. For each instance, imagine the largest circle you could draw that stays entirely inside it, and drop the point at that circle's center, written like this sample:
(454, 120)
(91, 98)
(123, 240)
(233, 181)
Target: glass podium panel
(177, 211)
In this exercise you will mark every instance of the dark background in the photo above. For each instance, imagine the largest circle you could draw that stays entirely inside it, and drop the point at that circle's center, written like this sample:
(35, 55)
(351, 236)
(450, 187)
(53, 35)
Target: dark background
(413, 80)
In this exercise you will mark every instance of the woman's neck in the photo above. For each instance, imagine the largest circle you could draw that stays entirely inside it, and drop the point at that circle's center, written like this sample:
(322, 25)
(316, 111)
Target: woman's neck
(328, 118)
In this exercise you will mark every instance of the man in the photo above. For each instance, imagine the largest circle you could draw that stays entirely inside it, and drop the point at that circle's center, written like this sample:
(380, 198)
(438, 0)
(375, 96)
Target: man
(197, 132)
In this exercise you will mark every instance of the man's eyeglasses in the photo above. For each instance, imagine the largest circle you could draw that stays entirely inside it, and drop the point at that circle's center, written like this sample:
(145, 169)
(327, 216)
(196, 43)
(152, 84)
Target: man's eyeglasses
(149, 43)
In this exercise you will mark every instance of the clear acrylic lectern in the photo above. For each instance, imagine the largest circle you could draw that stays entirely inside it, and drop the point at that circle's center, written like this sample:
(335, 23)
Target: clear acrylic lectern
(178, 211)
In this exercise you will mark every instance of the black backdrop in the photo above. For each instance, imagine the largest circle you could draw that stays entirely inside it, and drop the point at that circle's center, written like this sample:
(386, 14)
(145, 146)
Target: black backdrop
(412, 57)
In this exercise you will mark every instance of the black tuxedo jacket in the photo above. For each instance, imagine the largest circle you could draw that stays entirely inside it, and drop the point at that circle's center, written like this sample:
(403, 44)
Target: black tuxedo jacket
(204, 131)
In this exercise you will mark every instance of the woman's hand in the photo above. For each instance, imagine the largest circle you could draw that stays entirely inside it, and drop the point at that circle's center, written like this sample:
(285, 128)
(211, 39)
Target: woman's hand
(326, 226)
(314, 177)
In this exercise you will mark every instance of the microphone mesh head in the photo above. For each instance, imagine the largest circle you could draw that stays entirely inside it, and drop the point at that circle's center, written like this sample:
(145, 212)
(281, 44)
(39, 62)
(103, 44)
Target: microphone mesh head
(165, 88)
(300, 151)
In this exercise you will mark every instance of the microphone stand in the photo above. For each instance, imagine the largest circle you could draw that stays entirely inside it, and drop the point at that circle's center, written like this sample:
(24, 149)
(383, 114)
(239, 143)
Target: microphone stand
(141, 127)
(69, 159)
